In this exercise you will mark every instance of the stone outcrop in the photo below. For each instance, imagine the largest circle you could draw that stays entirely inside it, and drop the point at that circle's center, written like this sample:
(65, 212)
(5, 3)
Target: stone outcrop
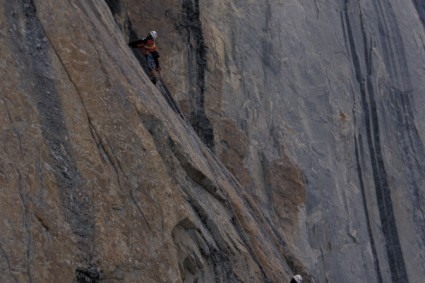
(285, 137)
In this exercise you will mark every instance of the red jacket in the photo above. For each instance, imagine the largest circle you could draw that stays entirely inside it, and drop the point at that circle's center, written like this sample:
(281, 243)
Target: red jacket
(148, 46)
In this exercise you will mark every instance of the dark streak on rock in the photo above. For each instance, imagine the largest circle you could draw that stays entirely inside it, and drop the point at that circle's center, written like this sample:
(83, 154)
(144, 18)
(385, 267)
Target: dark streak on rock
(369, 226)
(87, 275)
(114, 6)
(197, 64)
(383, 192)
(412, 147)
(74, 195)
(420, 7)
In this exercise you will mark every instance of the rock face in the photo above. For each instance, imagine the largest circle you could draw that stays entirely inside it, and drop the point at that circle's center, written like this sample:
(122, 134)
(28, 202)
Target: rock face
(286, 136)
(100, 179)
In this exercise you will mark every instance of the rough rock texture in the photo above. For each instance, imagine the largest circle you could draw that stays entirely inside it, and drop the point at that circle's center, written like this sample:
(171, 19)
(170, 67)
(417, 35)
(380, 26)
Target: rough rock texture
(100, 179)
(301, 146)
(316, 109)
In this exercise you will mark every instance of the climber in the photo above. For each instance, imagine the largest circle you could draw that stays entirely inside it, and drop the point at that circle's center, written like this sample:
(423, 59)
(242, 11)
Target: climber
(296, 279)
(148, 47)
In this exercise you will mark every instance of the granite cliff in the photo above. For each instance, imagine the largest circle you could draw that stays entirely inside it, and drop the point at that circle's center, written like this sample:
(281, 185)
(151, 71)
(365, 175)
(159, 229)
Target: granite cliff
(285, 137)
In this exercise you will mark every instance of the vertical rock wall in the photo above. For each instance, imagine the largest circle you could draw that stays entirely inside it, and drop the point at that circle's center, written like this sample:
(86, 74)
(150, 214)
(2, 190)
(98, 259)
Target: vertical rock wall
(316, 109)
(100, 180)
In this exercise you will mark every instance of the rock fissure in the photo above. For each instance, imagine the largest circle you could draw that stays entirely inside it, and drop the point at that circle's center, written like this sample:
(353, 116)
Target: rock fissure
(114, 6)
(114, 161)
(116, 164)
(208, 224)
(195, 174)
(142, 214)
(197, 64)
(43, 223)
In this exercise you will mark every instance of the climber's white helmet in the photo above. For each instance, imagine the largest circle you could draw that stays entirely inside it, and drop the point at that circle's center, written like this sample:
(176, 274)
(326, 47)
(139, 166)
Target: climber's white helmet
(298, 278)
(154, 34)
